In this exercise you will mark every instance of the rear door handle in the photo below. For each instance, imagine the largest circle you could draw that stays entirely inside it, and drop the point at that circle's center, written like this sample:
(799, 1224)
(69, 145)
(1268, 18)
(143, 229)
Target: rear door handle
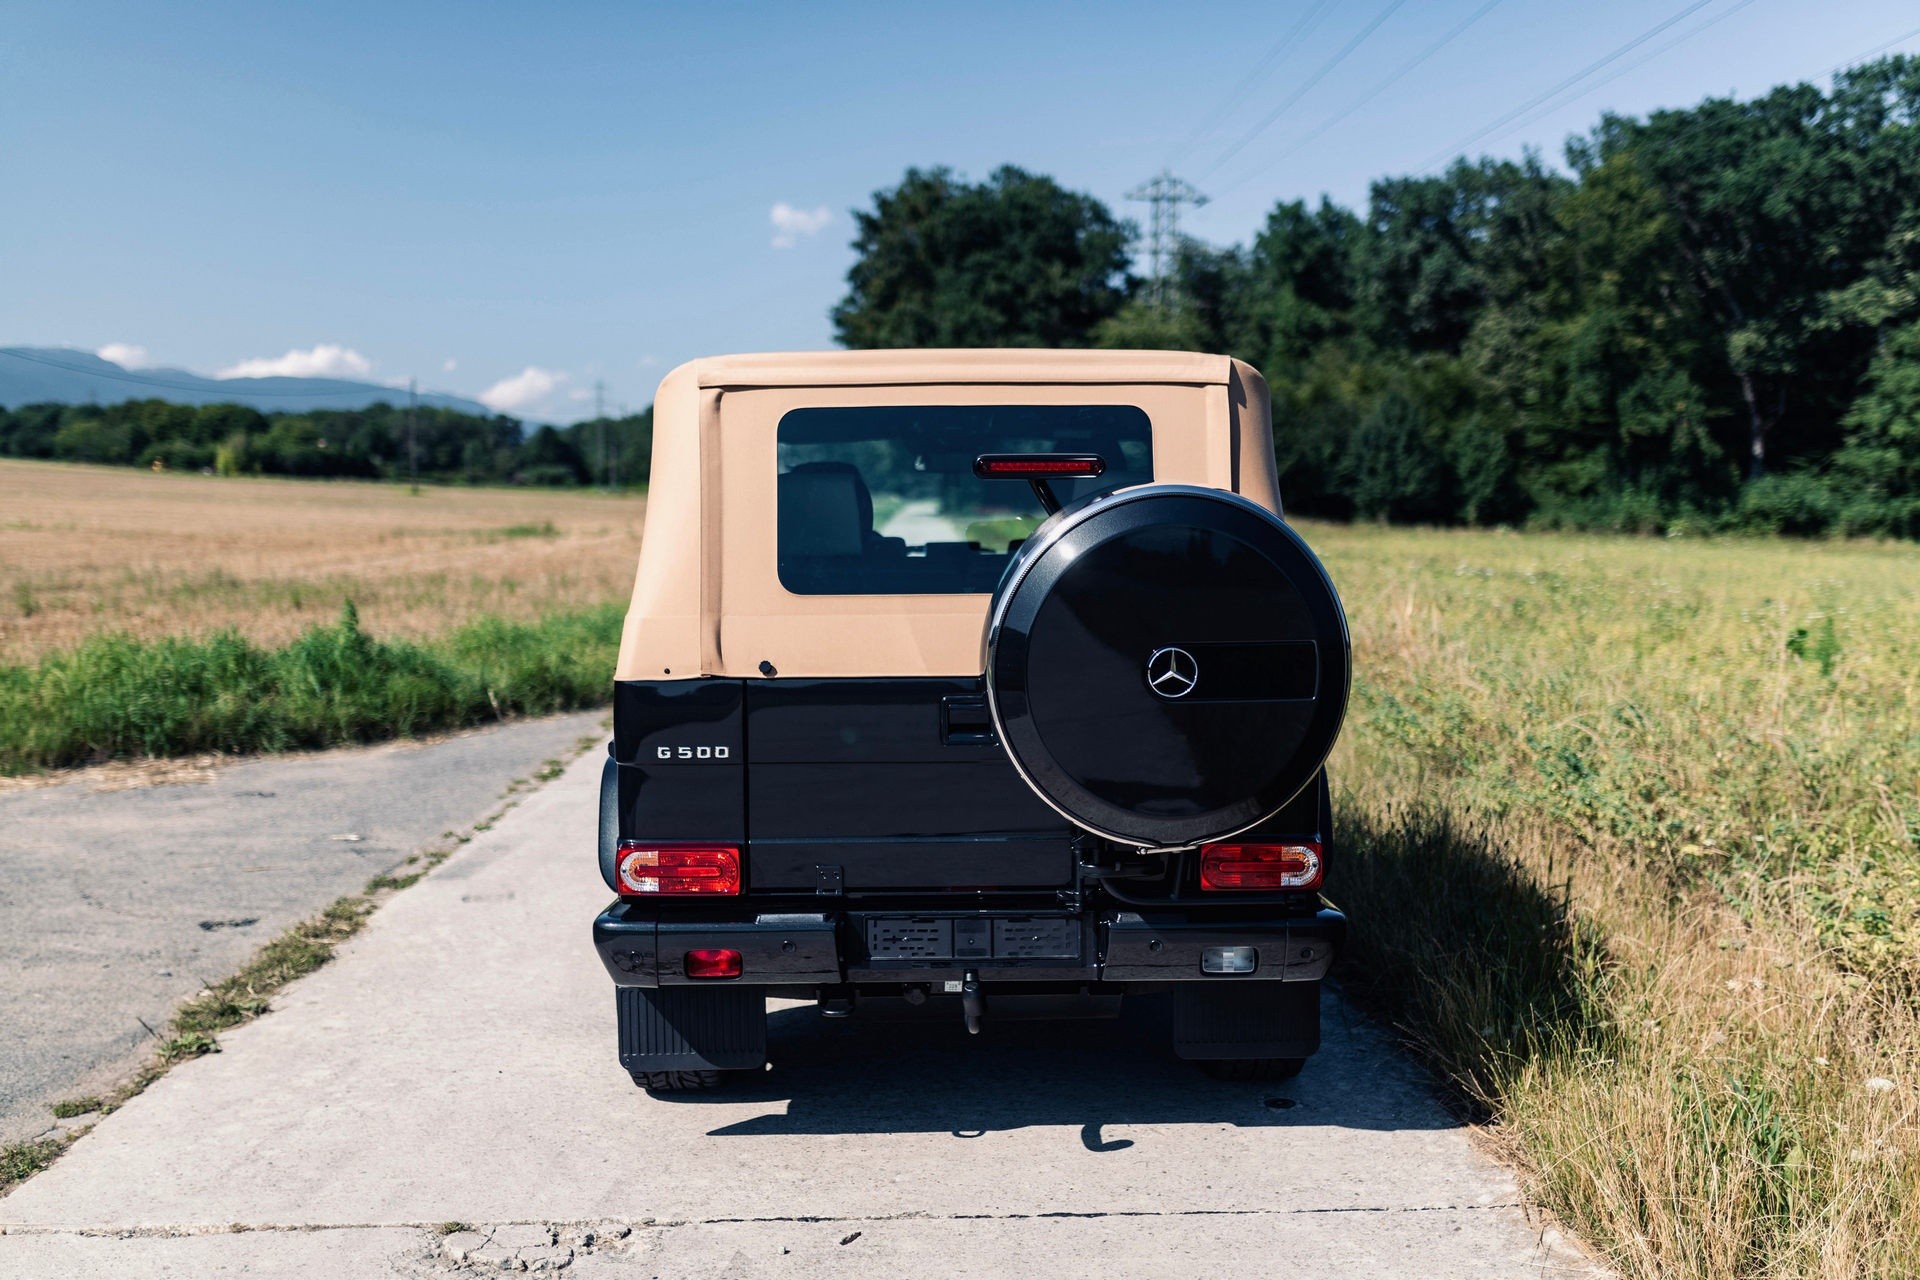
(964, 721)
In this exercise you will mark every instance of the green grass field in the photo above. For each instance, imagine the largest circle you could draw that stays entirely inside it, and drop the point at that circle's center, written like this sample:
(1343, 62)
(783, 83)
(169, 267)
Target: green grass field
(1632, 835)
(117, 697)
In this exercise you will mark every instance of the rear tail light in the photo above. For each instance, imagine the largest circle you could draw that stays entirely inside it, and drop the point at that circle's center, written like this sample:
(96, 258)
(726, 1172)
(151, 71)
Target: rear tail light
(675, 869)
(714, 963)
(1260, 866)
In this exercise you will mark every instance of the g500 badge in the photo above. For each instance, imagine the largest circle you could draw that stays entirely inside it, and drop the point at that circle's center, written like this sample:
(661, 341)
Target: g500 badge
(692, 753)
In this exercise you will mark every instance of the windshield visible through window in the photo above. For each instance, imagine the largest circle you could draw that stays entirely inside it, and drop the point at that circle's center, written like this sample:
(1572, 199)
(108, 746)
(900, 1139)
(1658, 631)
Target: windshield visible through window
(883, 500)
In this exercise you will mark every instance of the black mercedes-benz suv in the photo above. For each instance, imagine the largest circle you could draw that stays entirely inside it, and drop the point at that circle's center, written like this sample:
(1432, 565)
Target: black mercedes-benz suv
(991, 678)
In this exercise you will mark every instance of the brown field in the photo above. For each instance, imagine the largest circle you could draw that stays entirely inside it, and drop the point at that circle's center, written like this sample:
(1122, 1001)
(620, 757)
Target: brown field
(89, 549)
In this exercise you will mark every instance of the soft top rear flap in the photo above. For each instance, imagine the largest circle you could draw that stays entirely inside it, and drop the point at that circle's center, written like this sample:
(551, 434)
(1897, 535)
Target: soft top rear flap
(707, 599)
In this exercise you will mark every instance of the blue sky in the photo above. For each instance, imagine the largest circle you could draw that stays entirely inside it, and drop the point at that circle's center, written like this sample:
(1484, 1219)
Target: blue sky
(523, 201)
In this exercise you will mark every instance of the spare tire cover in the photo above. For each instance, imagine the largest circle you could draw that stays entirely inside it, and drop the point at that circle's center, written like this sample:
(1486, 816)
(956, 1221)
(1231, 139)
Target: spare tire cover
(1166, 664)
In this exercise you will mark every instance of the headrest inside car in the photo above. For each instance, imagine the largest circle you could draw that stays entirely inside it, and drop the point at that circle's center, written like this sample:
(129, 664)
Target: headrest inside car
(820, 513)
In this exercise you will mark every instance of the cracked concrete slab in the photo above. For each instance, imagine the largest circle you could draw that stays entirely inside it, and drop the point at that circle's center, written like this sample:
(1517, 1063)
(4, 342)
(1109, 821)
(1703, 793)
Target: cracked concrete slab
(115, 905)
(456, 1066)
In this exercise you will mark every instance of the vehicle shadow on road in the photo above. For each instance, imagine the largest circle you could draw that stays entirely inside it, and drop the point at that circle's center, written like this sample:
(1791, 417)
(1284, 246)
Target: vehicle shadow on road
(921, 1074)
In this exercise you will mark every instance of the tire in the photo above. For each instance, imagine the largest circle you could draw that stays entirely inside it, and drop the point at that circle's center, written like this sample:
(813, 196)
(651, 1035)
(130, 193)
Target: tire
(676, 1081)
(1166, 664)
(1254, 1068)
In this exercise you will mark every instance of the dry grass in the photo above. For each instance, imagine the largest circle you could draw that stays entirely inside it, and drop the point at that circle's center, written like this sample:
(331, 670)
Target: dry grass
(1634, 858)
(91, 549)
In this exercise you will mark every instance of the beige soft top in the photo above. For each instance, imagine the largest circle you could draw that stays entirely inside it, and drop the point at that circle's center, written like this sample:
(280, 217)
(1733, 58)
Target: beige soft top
(707, 599)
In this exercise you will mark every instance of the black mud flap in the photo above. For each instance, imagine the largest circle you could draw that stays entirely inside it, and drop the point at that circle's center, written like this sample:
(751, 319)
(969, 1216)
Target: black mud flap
(1228, 1020)
(693, 1028)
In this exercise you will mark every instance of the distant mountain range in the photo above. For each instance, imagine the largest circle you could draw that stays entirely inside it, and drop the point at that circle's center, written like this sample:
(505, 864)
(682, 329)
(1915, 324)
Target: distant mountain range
(63, 375)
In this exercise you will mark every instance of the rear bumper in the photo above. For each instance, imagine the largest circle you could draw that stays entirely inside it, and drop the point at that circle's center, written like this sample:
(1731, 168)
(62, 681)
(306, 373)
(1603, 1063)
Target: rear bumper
(815, 949)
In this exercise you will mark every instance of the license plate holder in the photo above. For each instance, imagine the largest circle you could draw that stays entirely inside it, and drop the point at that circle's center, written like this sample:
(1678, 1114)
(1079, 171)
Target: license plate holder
(1001, 939)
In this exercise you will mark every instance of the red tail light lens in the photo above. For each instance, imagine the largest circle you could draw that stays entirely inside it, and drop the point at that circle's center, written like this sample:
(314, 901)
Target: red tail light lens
(675, 869)
(1038, 466)
(1260, 866)
(714, 963)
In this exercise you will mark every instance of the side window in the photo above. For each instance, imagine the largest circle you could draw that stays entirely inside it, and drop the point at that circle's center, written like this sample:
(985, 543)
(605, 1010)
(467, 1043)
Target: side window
(883, 500)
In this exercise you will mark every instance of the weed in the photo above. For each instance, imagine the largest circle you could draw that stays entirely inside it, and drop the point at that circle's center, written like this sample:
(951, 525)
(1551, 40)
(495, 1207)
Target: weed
(21, 1160)
(194, 1045)
(544, 529)
(68, 1108)
(1820, 646)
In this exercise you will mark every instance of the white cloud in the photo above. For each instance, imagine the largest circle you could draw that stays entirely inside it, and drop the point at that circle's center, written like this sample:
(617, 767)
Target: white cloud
(124, 354)
(523, 390)
(579, 395)
(450, 365)
(789, 223)
(326, 360)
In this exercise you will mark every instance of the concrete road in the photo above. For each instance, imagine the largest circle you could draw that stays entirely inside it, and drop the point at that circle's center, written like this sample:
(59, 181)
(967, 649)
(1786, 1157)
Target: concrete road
(115, 905)
(445, 1098)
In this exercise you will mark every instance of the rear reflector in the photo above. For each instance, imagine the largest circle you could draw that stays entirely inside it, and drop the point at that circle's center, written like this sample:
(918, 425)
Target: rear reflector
(715, 963)
(1027, 466)
(675, 869)
(1259, 866)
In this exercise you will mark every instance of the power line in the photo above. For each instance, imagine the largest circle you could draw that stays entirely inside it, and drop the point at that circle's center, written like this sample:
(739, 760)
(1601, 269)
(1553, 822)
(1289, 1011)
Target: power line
(1842, 65)
(1398, 74)
(1606, 80)
(135, 378)
(1238, 94)
(1306, 87)
(1596, 65)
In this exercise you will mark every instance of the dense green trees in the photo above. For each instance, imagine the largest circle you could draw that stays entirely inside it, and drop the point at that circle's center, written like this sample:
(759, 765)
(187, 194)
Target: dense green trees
(370, 443)
(1711, 321)
(1014, 261)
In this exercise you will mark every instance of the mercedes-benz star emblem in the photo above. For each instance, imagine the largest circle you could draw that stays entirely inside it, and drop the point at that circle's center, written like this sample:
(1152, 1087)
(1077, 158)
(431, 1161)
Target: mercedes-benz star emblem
(1172, 672)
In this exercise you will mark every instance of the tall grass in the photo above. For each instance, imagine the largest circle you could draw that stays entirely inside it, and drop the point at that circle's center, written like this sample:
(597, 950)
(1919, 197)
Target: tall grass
(115, 696)
(1633, 854)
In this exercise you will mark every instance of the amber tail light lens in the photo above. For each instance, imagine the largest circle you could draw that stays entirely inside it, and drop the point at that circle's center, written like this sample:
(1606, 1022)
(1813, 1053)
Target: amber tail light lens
(671, 870)
(1260, 866)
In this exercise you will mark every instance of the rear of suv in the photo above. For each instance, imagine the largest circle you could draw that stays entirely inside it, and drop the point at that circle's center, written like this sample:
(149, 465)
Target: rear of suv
(991, 678)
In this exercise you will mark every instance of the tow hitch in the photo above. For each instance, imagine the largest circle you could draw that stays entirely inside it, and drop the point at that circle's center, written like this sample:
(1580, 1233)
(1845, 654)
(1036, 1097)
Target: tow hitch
(972, 1003)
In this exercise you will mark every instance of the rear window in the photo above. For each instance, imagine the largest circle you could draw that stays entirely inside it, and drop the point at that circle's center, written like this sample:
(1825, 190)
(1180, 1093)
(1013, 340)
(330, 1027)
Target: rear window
(883, 500)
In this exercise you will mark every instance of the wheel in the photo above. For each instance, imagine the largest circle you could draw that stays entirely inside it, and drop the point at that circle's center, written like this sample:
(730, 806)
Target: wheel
(1254, 1068)
(676, 1081)
(1166, 665)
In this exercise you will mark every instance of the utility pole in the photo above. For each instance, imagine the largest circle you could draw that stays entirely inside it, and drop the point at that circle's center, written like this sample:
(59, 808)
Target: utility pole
(1165, 193)
(600, 417)
(413, 453)
(621, 412)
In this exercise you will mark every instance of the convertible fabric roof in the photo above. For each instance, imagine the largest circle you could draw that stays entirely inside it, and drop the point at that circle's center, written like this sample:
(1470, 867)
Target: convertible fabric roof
(921, 368)
(707, 600)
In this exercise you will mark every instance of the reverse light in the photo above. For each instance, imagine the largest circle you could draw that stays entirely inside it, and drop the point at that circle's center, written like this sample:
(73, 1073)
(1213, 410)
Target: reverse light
(1229, 960)
(1038, 466)
(716, 962)
(1260, 866)
(669, 870)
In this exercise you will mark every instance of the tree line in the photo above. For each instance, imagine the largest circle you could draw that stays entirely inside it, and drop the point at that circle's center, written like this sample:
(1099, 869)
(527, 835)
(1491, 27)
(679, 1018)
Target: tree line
(1711, 320)
(443, 445)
